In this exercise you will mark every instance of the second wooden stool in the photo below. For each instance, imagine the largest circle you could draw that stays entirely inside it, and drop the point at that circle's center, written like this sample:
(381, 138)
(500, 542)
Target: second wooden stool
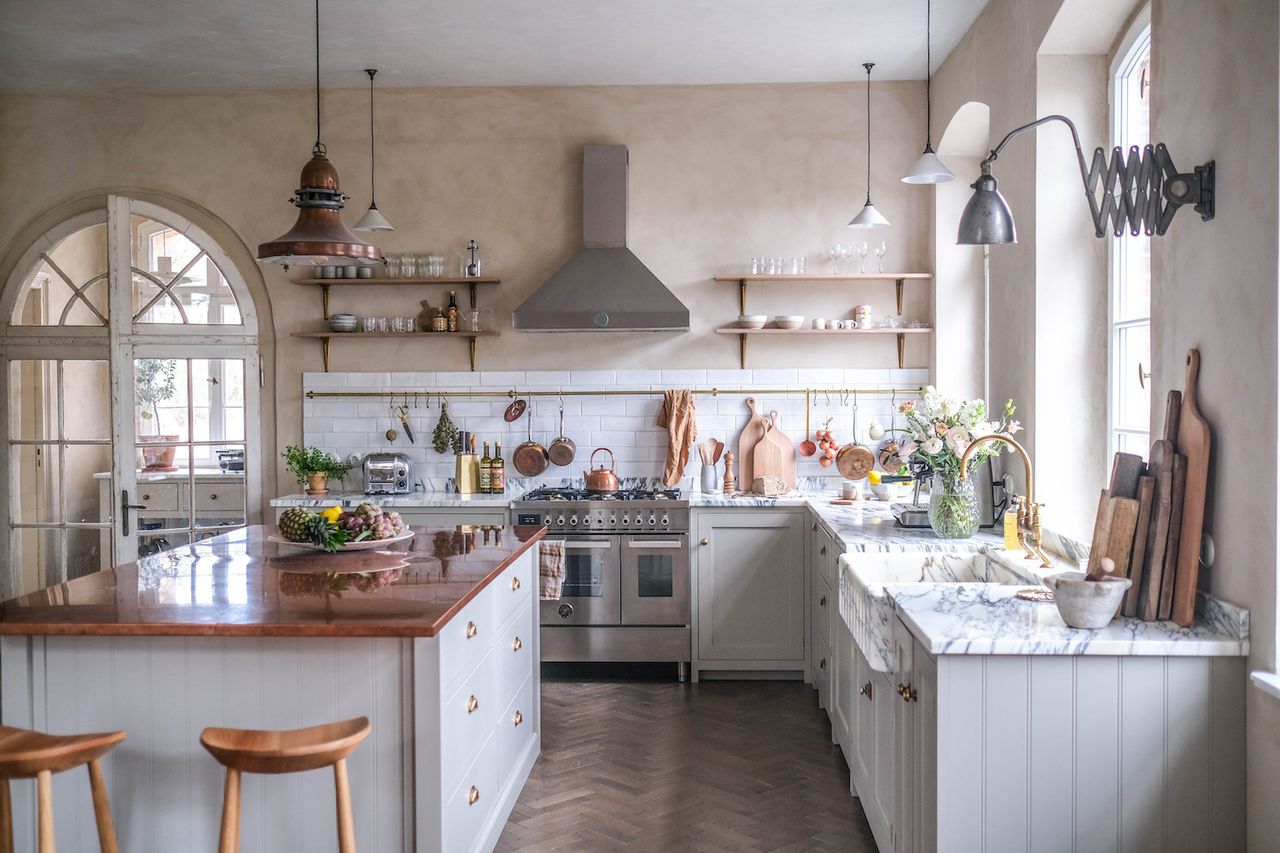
(289, 751)
(24, 754)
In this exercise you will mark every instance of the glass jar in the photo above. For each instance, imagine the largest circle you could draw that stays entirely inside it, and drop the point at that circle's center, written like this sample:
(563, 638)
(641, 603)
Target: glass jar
(954, 512)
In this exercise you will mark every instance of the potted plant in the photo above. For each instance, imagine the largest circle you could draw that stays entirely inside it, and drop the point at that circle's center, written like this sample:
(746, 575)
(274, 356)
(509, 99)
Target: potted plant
(154, 382)
(313, 467)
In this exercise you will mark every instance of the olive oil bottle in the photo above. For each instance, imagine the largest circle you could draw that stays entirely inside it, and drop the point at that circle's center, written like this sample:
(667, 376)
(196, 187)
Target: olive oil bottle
(486, 472)
(497, 471)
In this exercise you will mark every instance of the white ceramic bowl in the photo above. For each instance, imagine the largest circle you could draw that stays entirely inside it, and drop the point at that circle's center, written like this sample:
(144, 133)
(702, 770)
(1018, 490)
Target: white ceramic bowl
(752, 321)
(788, 321)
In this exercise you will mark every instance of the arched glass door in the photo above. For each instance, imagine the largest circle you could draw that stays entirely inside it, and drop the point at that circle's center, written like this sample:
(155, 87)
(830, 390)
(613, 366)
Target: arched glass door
(130, 362)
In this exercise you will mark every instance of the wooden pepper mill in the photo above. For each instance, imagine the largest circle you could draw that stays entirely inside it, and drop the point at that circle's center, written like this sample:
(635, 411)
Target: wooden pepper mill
(728, 473)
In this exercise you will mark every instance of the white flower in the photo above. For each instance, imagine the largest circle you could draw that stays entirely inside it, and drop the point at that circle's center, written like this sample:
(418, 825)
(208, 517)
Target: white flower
(958, 439)
(983, 428)
(932, 446)
(908, 447)
(875, 431)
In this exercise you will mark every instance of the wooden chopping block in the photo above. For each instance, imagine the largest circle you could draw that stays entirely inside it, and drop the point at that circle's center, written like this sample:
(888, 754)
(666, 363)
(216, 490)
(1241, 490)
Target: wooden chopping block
(767, 456)
(1101, 531)
(750, 436)
(1146, 501)
(1168, 578)
(787, 472)
(1126, 468)
(1195, 441)
(1124, 521)
(1158, 534)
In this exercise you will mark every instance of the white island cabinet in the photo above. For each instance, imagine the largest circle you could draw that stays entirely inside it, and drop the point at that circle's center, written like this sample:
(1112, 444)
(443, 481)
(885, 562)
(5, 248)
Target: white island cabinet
(438, 648)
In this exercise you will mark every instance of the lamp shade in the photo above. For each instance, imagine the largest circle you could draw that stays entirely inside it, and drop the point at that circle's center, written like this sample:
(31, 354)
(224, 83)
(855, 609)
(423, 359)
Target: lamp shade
(869, 217)
(318, 236)
(928, 170)
(373, 220)
(987, 219)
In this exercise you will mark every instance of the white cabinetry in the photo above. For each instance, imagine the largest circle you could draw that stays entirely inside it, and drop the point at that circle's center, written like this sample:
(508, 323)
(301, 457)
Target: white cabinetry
(823, 554)
(749, 590)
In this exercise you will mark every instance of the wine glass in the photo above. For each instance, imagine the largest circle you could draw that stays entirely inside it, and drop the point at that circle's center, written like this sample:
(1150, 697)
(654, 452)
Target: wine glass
(882, 249)
(863, 251)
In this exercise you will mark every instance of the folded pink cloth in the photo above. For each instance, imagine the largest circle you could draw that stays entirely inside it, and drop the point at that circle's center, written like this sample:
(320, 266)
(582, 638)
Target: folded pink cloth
(550, 569)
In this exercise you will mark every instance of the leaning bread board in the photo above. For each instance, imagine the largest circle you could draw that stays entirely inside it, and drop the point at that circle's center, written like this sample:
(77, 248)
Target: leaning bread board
(1195, 441)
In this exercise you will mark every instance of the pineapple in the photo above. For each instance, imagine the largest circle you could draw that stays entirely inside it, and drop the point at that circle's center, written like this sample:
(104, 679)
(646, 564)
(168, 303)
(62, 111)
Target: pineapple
(294, 522)
(325, 533)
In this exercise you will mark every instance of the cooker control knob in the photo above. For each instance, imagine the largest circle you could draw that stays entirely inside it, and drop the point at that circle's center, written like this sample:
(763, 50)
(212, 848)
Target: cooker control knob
(573, 521)
(560, 521)
(613, 521)
(626, 519)
(666, 521)
(653, 520)
(547, 521)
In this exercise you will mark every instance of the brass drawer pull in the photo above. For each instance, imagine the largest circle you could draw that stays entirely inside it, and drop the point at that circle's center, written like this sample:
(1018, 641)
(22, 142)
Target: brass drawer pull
(515, 584)
(516, 645)
(471, 630)
(822, 602)
(473, 704)
(865, 690)
(473, 795)
(517, 719)
(822, 664)
(907, 692)
(823, 550)
(213, 497)
(705, 542)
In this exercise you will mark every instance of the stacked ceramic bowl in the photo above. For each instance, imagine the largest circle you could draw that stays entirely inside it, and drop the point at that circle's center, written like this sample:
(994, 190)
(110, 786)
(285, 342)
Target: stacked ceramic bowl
(342, 322)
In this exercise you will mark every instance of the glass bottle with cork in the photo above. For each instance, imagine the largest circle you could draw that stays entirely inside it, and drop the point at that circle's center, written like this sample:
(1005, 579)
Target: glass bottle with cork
(451, 313)
(497, 472)
(486, 472)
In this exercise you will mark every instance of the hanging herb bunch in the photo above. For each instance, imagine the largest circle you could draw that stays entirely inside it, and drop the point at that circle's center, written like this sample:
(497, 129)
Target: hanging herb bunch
(446, 435)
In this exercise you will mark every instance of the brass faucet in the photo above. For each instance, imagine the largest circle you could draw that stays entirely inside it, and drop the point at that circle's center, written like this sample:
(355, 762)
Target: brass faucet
(1028, 508)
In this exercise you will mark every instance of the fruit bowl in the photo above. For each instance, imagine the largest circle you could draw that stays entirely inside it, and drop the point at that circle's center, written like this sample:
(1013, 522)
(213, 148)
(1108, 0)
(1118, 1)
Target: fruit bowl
(752, 321)
(788, 321)
(362, 545)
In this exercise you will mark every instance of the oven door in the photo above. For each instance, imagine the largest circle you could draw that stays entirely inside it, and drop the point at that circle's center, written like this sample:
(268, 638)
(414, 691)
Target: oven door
(655, 579)
(590, 593)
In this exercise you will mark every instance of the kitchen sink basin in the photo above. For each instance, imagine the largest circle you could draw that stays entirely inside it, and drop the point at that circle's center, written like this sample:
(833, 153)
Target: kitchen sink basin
(865, 606)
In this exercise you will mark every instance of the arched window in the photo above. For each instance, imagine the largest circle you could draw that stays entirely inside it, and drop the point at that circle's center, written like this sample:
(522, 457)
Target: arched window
(129, 357)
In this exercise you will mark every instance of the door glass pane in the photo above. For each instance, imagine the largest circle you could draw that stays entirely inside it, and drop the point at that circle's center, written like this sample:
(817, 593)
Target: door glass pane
(175, 280)
(86, 395)
(37, 551)
(88, 550)
(160, 397)
(36, 498)
(87, 482)
(656, 575)
(67, 286)
(582, 574)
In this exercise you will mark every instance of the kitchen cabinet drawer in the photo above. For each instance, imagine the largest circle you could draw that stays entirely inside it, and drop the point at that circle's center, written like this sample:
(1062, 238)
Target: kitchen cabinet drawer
(468, 809)
(467, 637)
(828, 557)
(514, 587)
(824, 604)
(823, 665)
(161, 497)
(225, 497)
(515, 730)
(467, 717)
(513, 653)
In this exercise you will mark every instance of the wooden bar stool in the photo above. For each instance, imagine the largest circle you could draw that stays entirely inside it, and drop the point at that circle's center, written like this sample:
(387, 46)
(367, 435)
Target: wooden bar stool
(291, 751)
(25, 754)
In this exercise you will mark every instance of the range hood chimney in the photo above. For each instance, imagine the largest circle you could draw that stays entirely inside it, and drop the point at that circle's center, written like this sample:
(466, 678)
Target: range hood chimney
(604, 287)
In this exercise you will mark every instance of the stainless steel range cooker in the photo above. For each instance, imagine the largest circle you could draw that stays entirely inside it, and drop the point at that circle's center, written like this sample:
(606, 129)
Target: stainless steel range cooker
(626, 587)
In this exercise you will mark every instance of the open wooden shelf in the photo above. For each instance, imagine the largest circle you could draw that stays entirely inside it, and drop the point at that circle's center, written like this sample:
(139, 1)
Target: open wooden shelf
(869, 276)
(326, 336)
(363, 282)
(846, 333)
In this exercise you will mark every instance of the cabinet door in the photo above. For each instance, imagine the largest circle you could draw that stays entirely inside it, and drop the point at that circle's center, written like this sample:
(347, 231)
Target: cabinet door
(750, 568)
(924, 680)
(844, 689)
(885, 766)
(905, 714)
(862, 761)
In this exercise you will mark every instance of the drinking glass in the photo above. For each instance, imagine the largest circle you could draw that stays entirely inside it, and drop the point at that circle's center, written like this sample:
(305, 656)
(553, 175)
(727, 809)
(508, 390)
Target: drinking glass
(797, 266)
(845, 254)
(408, 266)
(369, 324)
(435, 266)
(424, 266)
(882, 249)
(833, 255)
(863, 251)
(410, 324)
(475, 319)
(384, 325)
(756, 266)
(397, 325)
(391, 263)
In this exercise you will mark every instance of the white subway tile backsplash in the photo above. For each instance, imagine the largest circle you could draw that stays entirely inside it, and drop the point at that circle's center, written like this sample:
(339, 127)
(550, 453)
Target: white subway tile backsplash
(602, 378)
(500, 378)
(603, 405)
(638, 378)
(683, 378)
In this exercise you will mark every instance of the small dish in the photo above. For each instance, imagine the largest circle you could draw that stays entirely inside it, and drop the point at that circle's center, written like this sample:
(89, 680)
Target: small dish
(788, 321)
(342, 322)
(752, 321)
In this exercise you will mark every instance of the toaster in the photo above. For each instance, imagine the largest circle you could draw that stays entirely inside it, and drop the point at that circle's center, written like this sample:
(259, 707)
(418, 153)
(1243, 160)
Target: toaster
(387, 474)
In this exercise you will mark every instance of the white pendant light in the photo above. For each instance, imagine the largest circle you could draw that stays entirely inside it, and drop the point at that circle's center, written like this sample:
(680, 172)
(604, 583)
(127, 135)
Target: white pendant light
(869, 217)
(928, 169)
(373, 220)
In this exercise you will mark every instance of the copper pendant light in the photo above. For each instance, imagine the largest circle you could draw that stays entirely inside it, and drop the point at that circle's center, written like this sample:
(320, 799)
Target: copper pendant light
(318, 236)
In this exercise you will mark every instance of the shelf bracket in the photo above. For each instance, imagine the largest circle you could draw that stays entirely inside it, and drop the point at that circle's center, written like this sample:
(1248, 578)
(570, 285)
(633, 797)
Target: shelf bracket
(324, 346)
(902, 350)
(742, 296)
(742, 351)
(472, 346)
(324, 296)
(898, 289)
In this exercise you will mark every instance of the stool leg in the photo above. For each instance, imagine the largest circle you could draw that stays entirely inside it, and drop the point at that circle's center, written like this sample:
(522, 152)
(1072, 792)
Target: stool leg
(229, 840)
(346, 825)
(44, 786)
(102, 809)
(6, 818)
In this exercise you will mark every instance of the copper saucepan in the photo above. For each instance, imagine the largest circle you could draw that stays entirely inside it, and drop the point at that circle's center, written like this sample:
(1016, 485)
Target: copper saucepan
(562, 450)
(530, 458)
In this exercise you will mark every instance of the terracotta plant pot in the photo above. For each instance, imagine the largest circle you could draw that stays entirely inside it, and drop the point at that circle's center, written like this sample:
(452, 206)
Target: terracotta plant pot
(317, 484)
(157, 458)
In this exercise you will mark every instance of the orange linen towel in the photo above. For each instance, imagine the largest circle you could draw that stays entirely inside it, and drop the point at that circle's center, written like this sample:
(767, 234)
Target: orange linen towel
(680, 417)
(550, 569)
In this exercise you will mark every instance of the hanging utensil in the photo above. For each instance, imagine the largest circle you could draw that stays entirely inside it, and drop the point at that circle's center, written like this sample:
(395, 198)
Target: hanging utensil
(404, 422)
(887, 455)
(854, 462)
(515, 410)
(530, 458)
(562, 450)
(807, 447)
(391, 433)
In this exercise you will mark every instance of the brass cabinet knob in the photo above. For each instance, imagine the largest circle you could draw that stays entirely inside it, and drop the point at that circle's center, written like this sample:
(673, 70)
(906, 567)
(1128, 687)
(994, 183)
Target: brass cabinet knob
(907, 692)
(516, 645)
(823, 550)
(865, 690)
(705, 542)
(822, 602)
(473, 704)
(822, 664)
(146, 497)
(213, 497)
(517, 719)
(473, 795)
(814, 527)
(471, 630)
(515, 584)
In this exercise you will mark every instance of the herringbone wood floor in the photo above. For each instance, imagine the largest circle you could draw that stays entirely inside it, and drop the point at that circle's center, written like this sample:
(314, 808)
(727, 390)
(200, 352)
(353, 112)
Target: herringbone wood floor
(717, 766)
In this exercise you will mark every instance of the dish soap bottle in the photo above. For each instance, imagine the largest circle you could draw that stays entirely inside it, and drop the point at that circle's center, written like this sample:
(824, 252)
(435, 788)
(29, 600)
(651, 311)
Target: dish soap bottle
(1010, 521)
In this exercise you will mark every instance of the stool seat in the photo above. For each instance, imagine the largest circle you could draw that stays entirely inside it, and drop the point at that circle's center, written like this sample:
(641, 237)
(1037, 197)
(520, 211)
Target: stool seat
(25, 753)
(285, 751)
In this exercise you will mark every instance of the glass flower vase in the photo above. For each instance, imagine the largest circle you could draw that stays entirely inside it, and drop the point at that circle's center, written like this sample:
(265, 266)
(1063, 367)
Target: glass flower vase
(954, 512)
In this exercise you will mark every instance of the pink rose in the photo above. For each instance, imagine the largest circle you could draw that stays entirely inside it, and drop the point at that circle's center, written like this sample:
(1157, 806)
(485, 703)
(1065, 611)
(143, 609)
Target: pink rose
(909, 406)
(1014, 427)
(940, 428)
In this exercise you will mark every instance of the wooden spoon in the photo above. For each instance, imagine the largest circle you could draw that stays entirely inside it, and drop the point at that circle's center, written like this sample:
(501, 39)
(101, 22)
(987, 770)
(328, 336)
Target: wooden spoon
(807, 447)
(715, 457)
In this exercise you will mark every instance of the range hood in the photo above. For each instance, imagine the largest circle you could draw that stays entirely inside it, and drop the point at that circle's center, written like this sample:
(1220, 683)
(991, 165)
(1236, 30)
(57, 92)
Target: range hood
(604, 287)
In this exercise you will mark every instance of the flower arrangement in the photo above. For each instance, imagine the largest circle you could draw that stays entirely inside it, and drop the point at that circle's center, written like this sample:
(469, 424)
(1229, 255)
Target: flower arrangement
(940, 430)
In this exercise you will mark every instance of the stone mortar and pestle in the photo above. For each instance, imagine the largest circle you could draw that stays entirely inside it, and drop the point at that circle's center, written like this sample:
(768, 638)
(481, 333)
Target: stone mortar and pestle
(1089, 600)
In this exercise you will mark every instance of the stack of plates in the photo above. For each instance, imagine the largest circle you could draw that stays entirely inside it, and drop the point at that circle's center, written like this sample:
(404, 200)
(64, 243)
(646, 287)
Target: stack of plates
(342, 322)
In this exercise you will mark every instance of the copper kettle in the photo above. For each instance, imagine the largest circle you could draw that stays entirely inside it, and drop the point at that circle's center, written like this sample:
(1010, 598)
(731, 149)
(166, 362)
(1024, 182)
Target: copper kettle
(602, 480)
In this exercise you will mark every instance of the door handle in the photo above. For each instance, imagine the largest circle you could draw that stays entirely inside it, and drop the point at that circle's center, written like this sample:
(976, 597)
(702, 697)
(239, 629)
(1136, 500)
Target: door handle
(604, 546)
(662, 543)
(125, 506)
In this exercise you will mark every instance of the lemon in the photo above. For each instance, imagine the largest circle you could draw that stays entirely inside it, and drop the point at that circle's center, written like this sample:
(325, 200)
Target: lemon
(332, 513)
(874, 478)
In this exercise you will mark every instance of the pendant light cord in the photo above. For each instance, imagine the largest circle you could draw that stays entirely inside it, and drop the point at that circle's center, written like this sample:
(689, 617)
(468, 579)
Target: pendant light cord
(928, 75)
(373, 192)
(868, 66)
(318, 148)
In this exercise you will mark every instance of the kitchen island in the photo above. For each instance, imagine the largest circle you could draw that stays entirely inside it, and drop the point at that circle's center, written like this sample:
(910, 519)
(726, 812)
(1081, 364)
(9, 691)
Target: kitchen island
(436, 644)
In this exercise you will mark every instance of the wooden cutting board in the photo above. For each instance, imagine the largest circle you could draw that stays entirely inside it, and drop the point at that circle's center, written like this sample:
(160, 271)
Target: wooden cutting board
(1146, 501)
(787, 471)
(1101, 531)
(1161, 465)
(1168, 578)
(750, 436)
(767, 456)
(1124, 521)
(1126, 468)
(1195, 440)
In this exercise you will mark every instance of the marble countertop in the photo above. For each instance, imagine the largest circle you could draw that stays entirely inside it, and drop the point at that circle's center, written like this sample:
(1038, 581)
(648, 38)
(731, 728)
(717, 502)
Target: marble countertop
(240, 584)
(986, 619)
(421, 500)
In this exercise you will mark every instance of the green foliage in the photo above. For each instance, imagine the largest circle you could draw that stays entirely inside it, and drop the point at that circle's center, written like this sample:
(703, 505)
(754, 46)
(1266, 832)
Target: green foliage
(302, 461)
(154, 382)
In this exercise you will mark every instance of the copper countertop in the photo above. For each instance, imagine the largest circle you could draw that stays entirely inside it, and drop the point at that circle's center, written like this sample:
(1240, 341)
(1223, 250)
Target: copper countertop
(240, 585)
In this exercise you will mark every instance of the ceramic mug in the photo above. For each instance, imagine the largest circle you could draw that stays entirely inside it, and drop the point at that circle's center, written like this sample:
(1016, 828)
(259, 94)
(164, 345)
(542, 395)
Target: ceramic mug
(819, 323)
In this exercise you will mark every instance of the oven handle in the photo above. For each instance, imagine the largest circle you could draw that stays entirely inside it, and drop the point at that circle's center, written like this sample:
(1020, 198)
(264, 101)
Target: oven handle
(595, 544)
(660, 543)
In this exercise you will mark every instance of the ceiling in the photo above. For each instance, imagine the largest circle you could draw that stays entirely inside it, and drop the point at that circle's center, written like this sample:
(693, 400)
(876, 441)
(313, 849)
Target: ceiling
(218, 45)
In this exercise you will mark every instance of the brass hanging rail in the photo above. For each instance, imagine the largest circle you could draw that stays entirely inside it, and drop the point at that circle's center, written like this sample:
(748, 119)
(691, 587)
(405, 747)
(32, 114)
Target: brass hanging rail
(614, 392)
